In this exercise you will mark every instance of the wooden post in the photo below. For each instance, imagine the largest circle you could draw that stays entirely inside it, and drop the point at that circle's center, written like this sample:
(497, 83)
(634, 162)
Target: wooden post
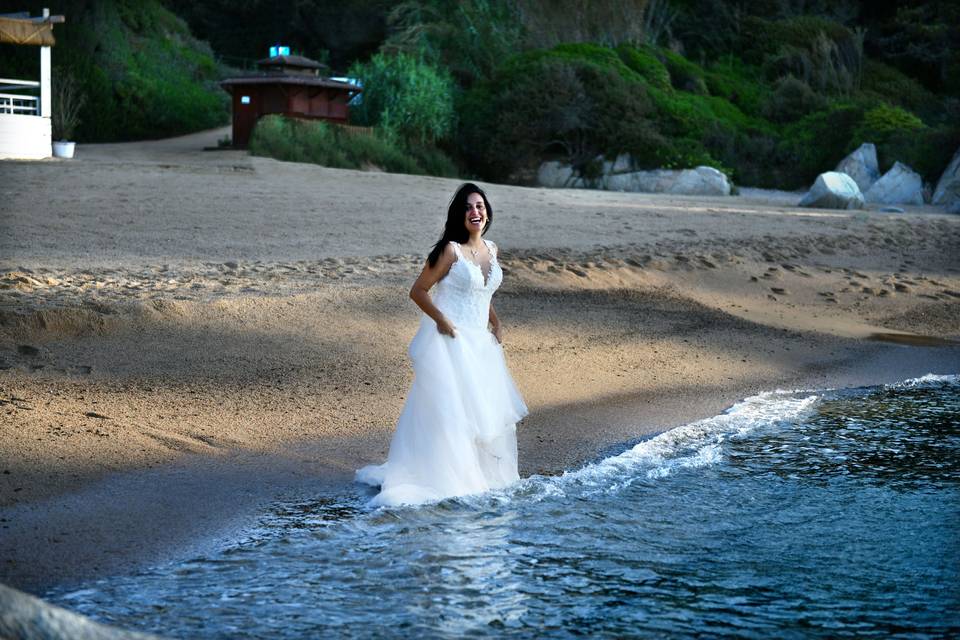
(45, 92)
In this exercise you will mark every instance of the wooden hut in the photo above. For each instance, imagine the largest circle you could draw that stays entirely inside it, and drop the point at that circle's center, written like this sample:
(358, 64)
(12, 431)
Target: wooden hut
(287, 85)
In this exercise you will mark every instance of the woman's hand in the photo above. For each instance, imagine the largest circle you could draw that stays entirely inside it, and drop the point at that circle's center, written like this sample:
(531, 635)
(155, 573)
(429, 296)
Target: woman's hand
(446, 327)
(495, 330)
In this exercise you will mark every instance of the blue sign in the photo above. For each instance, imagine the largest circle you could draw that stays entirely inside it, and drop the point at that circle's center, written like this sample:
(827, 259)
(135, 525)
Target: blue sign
(277, 50)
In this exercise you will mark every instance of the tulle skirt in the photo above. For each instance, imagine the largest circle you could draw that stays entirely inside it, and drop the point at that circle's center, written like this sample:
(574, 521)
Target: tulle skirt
(456, 434)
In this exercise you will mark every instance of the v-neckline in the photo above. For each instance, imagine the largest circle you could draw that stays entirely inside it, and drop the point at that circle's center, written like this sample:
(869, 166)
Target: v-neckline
(484, 276)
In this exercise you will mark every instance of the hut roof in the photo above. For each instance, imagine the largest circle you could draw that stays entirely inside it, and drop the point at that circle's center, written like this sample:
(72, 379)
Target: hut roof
(20, 28)
(290, 61)
(313, 81)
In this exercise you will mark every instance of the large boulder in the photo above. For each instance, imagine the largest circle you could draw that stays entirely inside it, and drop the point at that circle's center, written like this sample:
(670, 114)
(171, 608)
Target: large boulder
(947, 192)
(861, 165)
(555, 174)
(618, 176)
(702, 181)
(833, 190)
(653, 181)
(900, 185)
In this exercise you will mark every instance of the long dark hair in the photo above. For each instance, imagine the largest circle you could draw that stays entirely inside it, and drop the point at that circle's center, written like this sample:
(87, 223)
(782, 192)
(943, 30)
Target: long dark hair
(454, 230)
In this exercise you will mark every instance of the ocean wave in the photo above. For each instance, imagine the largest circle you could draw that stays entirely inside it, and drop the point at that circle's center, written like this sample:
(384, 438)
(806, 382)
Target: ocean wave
(695, 445)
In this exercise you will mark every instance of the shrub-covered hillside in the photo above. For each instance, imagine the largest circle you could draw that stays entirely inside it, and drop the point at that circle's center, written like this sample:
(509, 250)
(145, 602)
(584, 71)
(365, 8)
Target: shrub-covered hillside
(780, 99)
(770, 92)
(141, 71)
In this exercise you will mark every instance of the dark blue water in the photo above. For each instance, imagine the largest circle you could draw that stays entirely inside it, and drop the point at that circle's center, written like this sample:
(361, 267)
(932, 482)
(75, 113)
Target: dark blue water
(824, 514)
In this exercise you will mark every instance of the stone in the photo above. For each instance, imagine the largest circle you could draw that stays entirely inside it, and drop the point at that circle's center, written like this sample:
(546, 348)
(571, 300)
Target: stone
(701, 181)
(554, 174)
(861, 165)
(705, 181)
(623, 164)
(891, 210)
(947, 192)
(24, 616)
(900, 185)
(833, 190)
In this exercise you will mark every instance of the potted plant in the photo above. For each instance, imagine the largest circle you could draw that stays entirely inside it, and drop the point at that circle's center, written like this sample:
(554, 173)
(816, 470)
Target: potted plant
(67, 101)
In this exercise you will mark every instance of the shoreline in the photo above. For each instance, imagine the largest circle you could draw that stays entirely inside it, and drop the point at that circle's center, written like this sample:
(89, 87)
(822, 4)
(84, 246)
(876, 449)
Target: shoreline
(132, 520)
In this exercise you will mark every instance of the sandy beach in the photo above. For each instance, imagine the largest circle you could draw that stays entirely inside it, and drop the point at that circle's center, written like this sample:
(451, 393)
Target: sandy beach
(187, 335)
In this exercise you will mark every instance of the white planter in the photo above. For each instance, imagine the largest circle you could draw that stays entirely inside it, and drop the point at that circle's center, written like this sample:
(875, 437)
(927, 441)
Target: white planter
(63, 149)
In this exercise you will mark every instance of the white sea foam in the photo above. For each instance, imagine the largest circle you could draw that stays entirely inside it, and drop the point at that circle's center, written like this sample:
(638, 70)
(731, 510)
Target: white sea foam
(695, 445)
(930, 378)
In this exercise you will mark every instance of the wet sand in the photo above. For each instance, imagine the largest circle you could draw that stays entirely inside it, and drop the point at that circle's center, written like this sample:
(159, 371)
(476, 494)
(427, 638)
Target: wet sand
(186, 336)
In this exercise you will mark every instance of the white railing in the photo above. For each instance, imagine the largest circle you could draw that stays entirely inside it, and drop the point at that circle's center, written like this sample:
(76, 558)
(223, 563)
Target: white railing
(17, 104)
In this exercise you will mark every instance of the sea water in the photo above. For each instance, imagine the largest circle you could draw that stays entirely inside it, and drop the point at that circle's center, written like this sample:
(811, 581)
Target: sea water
(793, 514)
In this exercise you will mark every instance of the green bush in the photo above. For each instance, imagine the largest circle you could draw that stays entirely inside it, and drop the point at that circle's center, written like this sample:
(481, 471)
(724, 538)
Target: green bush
(762, 38)
(885, 83)
(818, 141)
(330, 145)
(553, 106)
(738, 83)
(884, 121)
(645, 63)
(684, 75)
(406, 97)
(791, 100)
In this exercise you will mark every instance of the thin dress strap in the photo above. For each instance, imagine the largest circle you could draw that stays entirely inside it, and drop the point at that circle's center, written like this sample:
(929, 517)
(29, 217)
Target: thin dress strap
(456, 248)
(491, 247)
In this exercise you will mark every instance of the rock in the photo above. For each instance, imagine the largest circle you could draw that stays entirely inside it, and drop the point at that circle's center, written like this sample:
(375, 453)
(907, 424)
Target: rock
(833, 190)
(891, 210)
(654, 181)
(554, 174)
(702, 181)
(24, 616)
(900, 185)
(947, 192)
(623, 164)
(861, 165)
(617, 176)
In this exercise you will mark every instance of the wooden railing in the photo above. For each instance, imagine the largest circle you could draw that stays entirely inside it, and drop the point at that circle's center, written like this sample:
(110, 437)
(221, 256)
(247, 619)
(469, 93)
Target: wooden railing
(19, 104)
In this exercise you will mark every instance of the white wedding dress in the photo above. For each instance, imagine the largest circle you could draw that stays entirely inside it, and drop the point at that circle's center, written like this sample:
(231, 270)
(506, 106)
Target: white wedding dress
(456, 434)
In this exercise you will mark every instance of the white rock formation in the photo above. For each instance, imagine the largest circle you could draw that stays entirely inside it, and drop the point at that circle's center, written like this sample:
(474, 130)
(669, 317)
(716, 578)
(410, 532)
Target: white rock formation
(833, 190)
(618, 177)
(555, 174)
(861, 165)
(900, 185)
(702, 181)
(947, 192)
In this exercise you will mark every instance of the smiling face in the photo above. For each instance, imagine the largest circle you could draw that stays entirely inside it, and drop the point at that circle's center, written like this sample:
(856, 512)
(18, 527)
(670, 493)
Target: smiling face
(475, 214)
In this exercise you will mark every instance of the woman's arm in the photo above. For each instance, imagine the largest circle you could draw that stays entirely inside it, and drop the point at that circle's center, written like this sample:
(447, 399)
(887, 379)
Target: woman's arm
(420, 291)
(495, 324)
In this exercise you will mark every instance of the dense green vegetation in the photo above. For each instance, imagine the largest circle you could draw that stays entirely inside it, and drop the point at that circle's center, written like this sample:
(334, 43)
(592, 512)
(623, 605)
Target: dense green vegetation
(141, 73)
(334, 146)
(771, 92)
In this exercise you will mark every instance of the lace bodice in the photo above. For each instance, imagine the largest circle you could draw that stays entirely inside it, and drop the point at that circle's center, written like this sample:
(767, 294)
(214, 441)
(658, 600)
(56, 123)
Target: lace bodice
(462, 295)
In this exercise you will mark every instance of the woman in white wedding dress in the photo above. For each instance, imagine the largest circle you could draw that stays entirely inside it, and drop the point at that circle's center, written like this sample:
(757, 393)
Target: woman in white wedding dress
(456, 434)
